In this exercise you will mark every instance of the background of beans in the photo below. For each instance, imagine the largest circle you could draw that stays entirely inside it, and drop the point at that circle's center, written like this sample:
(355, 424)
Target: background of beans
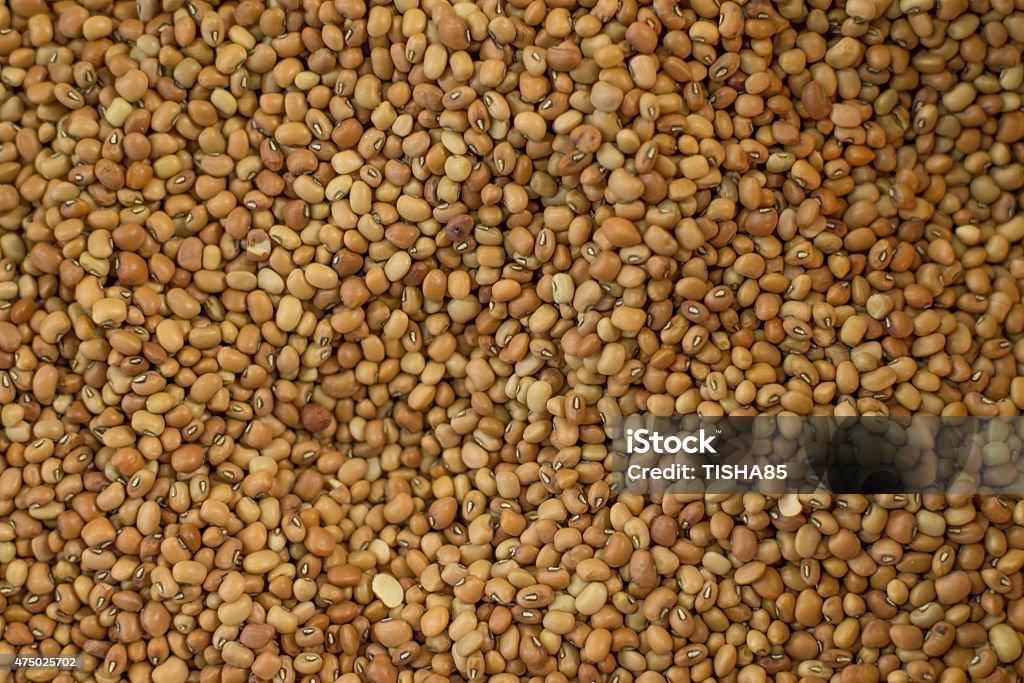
(311, 313)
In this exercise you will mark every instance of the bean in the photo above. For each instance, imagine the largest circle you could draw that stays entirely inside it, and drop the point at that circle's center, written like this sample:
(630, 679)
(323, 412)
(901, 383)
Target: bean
(315, 328)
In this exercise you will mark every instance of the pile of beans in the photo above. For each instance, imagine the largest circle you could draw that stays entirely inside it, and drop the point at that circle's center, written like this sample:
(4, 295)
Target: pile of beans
(313, 315)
